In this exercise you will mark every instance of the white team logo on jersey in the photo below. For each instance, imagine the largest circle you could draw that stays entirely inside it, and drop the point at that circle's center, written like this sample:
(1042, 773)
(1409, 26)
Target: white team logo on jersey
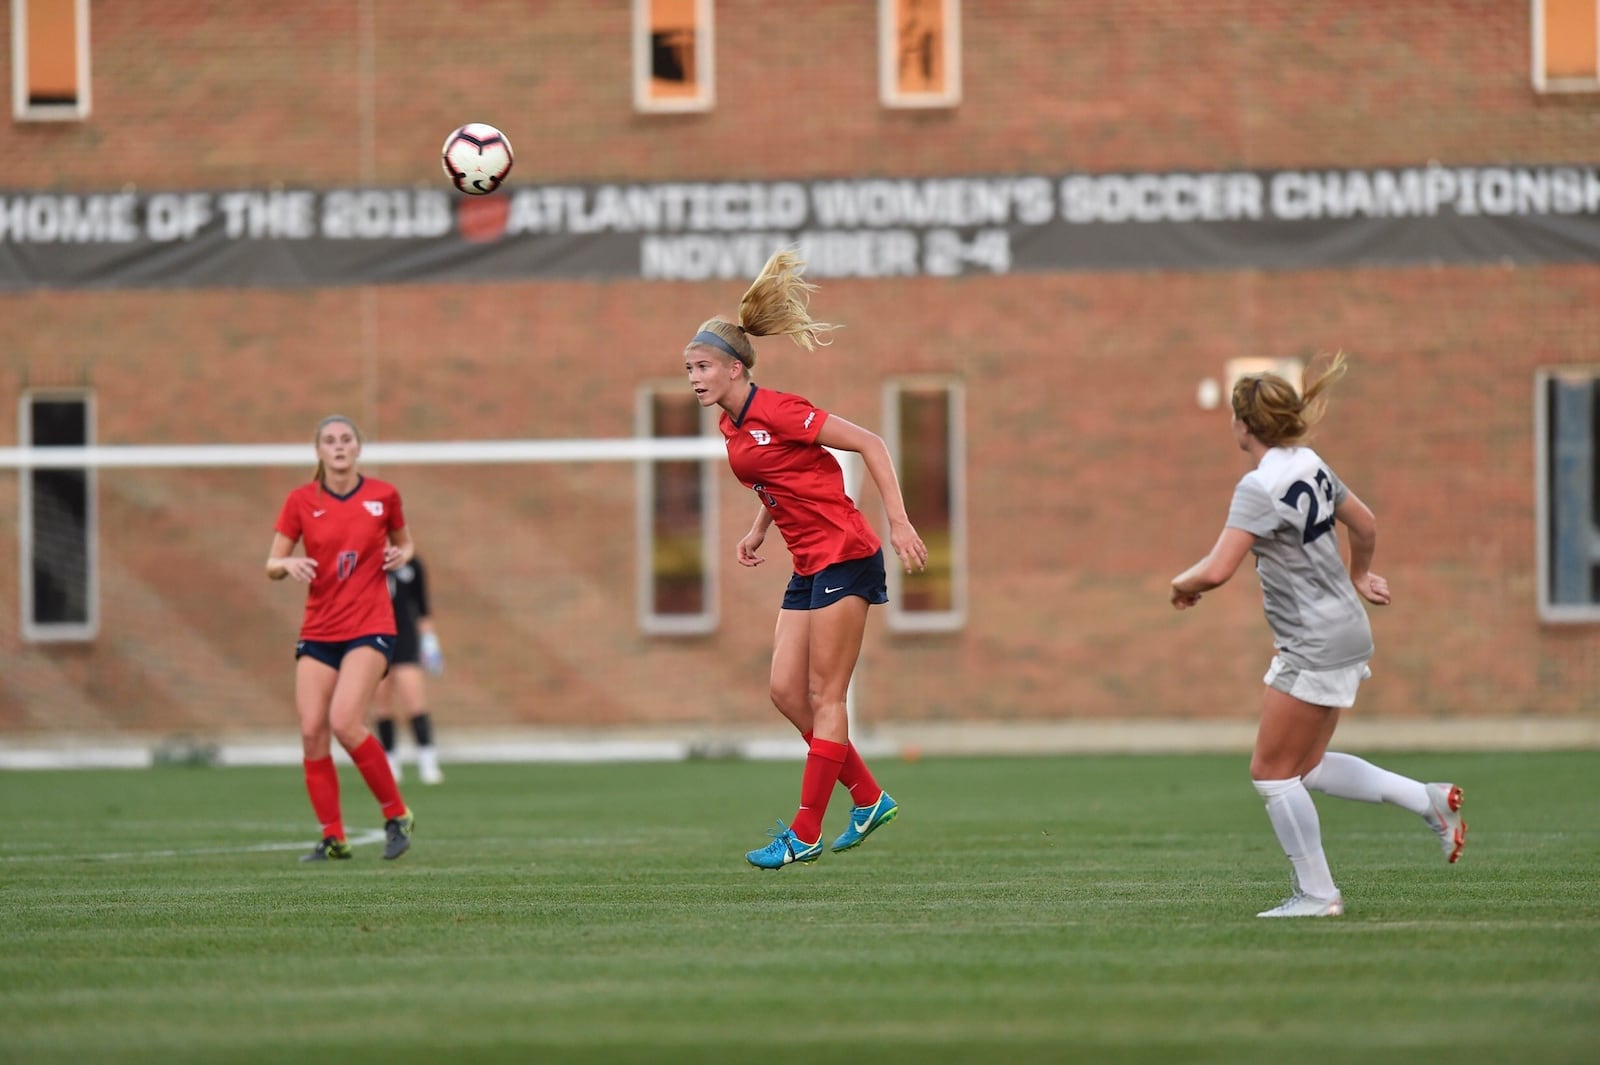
(761, 436)
(374, 507)
(807, 425)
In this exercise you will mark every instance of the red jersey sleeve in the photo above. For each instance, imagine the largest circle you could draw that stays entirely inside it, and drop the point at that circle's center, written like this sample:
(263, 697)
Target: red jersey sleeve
(289, 517)
(795, 419)
(396, 514)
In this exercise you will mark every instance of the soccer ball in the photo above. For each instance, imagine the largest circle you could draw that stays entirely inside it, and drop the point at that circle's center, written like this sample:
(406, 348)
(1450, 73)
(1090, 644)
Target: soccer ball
(476, 157)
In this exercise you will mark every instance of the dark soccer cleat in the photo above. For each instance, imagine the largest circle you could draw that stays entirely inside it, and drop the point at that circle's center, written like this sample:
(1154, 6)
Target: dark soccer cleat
(330, 849)
(397, 835)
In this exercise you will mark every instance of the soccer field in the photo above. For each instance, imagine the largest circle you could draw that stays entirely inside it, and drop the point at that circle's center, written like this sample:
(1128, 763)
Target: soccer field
(1093, 909)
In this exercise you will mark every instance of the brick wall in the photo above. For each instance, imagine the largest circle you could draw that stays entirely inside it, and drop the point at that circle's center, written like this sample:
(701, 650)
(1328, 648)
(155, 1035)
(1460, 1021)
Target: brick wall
(1093, 475)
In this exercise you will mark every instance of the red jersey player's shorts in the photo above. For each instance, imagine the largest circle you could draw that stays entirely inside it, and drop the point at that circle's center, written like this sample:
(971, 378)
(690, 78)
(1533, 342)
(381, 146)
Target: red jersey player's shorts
(332, 652)
(858, 576)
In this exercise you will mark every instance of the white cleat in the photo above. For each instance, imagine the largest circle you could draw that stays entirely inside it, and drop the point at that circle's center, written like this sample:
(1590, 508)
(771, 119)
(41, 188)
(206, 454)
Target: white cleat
(428, 771)
(394, 768)
(1445, 819)
(1298, 905)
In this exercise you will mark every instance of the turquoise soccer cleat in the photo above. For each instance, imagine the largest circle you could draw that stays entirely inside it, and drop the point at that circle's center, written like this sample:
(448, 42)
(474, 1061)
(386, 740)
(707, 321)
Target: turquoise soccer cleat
(864, 819)
(785, 847)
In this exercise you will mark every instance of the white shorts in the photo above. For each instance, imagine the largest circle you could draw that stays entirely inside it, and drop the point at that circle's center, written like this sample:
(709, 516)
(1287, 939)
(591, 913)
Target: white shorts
(1324, 687)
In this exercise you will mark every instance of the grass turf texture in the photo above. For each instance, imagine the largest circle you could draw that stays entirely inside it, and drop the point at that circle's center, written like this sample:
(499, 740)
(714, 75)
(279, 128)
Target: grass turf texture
(1086, 909)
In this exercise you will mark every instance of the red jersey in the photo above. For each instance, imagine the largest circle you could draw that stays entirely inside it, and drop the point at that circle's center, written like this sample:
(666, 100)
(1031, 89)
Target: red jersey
(773, 449)
(347, 534)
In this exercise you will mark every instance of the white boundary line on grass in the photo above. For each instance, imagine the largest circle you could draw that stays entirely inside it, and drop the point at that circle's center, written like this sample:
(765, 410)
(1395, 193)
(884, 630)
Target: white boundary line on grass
(373, 835)
(890, 739)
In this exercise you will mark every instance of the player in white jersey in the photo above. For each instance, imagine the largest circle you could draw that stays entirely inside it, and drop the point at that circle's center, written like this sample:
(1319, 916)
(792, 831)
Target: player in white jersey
(1284, 511)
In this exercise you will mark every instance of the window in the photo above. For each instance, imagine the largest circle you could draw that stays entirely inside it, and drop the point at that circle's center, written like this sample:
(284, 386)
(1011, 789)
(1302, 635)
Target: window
(1291, 370)
(919, 53)
(58, 526)
(1567, 443)
(672, 63)
(676, 524)
(926, 434)
(1566, 45)
(50, 59)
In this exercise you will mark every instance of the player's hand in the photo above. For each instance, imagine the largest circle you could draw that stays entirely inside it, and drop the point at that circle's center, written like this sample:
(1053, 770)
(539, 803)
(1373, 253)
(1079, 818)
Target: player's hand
(908, 545)
(1184, 600)
(1373, 588)
(749, 544)
(393, 558)
(301, 569)
(432, 655)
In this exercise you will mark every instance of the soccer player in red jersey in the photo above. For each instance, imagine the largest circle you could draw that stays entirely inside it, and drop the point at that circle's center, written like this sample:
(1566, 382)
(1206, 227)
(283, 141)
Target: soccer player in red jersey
(355, 533)
(777, 446)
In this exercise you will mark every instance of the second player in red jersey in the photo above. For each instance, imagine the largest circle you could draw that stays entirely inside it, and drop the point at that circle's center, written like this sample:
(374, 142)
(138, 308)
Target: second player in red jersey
(354, 532)
(778, 446)
(347, 536)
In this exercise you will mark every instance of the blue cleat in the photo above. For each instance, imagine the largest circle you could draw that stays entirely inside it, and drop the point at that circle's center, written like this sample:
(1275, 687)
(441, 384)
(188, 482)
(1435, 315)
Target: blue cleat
(864, 819)
(785, 847)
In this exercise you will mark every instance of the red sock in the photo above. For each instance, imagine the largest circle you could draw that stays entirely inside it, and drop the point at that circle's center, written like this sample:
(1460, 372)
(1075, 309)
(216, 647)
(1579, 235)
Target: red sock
(821, 774)
(322, 784)
(855, 775)
(370, 758)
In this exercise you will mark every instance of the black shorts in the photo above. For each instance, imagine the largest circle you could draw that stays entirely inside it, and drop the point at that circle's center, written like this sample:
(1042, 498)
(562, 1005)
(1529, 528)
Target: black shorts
(331, 652)
(407, 646)
(859, 576)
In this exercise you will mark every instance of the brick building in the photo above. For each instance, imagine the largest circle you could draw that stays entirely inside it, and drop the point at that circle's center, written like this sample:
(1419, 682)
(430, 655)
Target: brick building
(1092, 475)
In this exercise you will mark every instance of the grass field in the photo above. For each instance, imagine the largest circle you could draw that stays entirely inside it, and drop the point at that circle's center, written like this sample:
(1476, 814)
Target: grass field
(1087, 909)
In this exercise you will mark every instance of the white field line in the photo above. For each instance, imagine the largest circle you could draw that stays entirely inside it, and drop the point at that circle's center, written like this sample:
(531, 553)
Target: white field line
(374, 835)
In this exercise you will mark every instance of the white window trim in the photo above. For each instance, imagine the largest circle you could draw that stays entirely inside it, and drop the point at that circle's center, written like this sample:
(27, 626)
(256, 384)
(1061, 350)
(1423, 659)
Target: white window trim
(705, 60)
(1554, 85)
(888, 54)
(21, 110)
(644, 531)
(60, 632)
(954, 619)
(1559, 613)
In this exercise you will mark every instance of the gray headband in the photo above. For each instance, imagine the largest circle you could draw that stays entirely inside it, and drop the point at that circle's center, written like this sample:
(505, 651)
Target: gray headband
(705, 336)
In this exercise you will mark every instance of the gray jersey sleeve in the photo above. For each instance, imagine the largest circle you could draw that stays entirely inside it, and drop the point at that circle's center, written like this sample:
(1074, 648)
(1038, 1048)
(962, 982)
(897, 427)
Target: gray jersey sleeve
(1252, 509)
(1339, 490)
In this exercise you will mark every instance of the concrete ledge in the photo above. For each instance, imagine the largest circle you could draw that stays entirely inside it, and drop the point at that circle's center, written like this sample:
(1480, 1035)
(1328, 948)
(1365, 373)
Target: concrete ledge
(902, 739)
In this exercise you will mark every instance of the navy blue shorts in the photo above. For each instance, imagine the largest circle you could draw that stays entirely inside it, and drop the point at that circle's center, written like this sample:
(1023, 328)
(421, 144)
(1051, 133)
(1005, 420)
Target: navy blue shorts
(331, 652)
(860, 576)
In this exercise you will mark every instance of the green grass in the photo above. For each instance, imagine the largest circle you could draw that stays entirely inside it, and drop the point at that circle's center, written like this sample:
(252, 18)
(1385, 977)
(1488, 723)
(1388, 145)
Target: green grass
(1068, 909)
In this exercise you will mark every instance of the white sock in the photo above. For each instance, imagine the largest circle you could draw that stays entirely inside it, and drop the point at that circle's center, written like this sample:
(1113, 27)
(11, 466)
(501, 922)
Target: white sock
(1344, 776)
(1294, 820)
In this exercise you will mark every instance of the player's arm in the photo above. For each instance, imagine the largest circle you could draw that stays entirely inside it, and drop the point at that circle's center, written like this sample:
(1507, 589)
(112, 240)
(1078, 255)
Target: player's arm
(1214, 570)
(843, 435)
(1362, 527)
(399, 550)
(281, 564)
(750, 542)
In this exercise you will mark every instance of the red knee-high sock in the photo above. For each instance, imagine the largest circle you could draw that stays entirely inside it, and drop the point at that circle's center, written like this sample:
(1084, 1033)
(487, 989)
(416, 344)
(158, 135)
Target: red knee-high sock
(855, 775)
(322, 784)
(821, 774)
(370, 758)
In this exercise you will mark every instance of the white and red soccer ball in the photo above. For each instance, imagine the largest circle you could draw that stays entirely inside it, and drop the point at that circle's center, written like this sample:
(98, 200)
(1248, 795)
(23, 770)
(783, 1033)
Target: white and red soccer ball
(476, 157)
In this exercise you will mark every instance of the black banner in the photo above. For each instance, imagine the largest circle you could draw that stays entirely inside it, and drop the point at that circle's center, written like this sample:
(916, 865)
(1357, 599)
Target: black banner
(862, 227)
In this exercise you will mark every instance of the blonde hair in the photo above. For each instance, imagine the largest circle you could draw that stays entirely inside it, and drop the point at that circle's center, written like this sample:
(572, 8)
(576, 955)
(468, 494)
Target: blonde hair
(775, 304)
(1274, 413)
(321, 476)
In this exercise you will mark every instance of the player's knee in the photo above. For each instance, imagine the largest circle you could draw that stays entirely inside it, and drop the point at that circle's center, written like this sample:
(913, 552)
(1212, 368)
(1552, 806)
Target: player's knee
(789, 701)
